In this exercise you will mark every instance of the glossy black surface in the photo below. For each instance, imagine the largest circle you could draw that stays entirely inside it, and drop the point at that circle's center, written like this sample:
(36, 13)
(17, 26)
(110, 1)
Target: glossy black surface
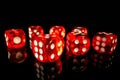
(26, 70)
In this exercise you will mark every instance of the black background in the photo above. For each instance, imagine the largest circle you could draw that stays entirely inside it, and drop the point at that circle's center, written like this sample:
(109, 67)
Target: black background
(105, 19)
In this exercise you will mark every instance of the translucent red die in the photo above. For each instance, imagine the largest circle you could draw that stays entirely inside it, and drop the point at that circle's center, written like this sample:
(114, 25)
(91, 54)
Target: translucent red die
(77, 43)
(104, 42)
(16, 41)
(34, 31)
(49, 47)
(58, 30)
(15, 38)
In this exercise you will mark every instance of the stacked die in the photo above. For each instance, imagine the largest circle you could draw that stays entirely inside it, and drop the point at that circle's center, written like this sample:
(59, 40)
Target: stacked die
(77, 42)
(47, 47)
(34, 31)
(16, 41)
(104, 44)
(43, 72)
(77, 46)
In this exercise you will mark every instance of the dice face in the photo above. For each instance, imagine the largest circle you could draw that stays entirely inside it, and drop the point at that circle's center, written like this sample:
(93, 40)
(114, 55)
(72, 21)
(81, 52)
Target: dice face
(77, 44)
(15, 38)
(47, 48)
(104, 42)
(34, 31)
(58, 30)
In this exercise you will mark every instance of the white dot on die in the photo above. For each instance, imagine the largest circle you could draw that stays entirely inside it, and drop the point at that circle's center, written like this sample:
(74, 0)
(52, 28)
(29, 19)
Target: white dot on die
(40, 51)
(59, 43)
(113, 41)
(112, 49)
(102, 49)
(96, 47)
(75, 49)
(104, 39)
(51, 30)
(98, 37)
(85, 41)
(59, 53)
(111, 37)
(52, 46)
(52, 56)
(17, 40)
(29, 29)
(97, 43)
(36, 49)
(84, 49)
(35, 42)
(6, 38)
(36, 55)
(41, 57)
(63, 34)
(34, 31)
(76, 41)
(37, 33)
(41, 44)
(103, 44)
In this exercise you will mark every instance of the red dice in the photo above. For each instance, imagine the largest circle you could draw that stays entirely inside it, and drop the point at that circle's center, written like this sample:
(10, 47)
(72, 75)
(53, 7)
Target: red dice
(15, 38)
(34, 31)
(77, 42)
(48, 47)
(58, 30)
(104, 42)
(16, 41)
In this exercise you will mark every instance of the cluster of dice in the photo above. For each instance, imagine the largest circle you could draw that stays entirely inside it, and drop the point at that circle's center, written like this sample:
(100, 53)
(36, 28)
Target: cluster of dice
(49, 47)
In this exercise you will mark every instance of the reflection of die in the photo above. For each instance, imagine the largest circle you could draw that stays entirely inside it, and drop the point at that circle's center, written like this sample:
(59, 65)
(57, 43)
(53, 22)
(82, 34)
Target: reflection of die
(102, 61)
(17, 55)
(48, 71)
(16, 41)
(77, 42)
(104, 42)
(77, 63)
